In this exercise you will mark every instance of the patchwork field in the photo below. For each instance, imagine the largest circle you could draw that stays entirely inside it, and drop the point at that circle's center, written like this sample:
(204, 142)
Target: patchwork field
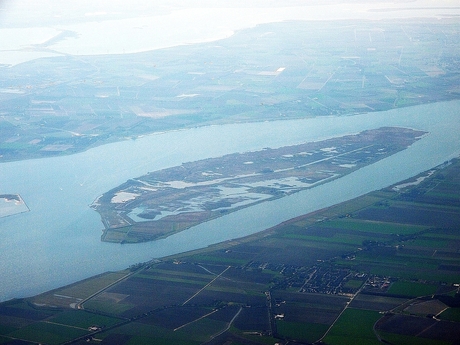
(339, 276)
(296, 69)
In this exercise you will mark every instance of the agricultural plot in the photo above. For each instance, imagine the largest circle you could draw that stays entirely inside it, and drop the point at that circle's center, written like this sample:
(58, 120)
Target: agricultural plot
(451, 314)
(83, 319)
(72, 294)
(338, 275)
(354, 327)
(300, 331)
(272, 71)
(139, 295)
(48, 333)
(410, 340)
(175, 318)
(140, 333)
(307, 308)
(18, 315)
(180, 325)
(376, 302)
(427, 329)
(424, 308)
(22, 310)
(411, 289)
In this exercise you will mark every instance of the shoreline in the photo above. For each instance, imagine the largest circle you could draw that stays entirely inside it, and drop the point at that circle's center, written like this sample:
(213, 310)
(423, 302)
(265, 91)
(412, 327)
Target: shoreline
(82, 223)
(328, 213)
(292, 169)
(22, 205)
(220, 19)
(300, 118)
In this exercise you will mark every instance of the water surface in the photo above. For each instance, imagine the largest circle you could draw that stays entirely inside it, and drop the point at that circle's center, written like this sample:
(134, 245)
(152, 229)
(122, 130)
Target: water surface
(58, 241)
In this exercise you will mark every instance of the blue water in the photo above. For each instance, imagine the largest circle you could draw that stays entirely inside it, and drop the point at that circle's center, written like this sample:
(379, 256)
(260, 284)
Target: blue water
(58, 241)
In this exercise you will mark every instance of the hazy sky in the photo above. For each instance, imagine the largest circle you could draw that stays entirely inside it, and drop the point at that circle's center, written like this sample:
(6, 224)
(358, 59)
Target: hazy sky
(31, 29)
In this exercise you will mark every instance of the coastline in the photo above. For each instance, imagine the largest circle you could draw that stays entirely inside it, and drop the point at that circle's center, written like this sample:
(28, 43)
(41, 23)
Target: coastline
(19, 207)
(84, 176)
(236, 185)
(175, 23)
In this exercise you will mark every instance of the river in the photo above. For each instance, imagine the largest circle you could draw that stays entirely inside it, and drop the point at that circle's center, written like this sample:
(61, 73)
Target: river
(58, 241)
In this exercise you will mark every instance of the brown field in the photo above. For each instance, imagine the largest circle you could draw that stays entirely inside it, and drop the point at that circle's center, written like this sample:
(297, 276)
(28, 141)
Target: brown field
(420, 327)
(253, 319)
(376, 302)
(424, 308)
(304, 272)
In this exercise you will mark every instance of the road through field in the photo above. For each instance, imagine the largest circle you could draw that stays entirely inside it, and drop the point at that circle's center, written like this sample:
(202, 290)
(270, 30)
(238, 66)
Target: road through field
(225, 270)
(343, 310)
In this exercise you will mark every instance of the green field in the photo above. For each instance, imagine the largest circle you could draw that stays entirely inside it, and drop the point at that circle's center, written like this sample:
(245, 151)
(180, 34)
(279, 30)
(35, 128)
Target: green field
(411, 289)
(76, 292)
(353, 284)
(331, 68)
(368, 226)
(82, 319)
(451, 314)
(398, 339)
(389, 259)
(308, 332)
(306, 270)
(48, 333)
(354, 327)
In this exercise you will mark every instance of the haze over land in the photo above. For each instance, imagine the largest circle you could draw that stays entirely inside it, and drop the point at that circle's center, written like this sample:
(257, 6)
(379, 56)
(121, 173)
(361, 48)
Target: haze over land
(211, 122)
(284, 70)
(46, 28)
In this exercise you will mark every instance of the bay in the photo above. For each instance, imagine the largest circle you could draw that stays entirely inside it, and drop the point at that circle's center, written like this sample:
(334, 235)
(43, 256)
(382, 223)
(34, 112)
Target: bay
(58, 241)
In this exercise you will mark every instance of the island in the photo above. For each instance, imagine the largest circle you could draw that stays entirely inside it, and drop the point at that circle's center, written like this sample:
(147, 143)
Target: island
(11, 204)
(167, 201)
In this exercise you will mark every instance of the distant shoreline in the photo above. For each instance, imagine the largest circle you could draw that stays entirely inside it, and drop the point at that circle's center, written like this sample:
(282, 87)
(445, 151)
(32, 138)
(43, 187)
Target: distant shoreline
(8, 210)
(209, 24)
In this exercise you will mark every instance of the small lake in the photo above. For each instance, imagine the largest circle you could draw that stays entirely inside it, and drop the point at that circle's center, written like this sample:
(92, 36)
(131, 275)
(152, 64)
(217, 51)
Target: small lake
(58, 241)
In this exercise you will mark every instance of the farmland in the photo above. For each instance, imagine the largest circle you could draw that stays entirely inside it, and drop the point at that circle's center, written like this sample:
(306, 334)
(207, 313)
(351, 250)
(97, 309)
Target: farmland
(353, 273)
(61, 105)
(384, 267)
